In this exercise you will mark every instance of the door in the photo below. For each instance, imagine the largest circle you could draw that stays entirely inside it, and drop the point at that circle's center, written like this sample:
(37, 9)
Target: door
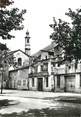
(40, 84)
(70, 83)
(58, 81)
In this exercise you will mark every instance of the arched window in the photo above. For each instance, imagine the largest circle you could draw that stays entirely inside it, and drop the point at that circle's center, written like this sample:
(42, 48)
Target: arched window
(27, 40)
(19, 61)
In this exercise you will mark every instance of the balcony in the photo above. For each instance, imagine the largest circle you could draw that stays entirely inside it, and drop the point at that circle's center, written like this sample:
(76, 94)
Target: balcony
(56, 70)
(39, 74)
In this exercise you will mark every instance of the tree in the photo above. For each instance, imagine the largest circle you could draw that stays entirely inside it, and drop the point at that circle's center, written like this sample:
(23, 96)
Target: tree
(5, 61)
(68, 35)
(4, 3)
(10, 19)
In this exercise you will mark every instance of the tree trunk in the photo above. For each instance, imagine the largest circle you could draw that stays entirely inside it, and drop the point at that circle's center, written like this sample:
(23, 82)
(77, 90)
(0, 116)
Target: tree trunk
(66, 71)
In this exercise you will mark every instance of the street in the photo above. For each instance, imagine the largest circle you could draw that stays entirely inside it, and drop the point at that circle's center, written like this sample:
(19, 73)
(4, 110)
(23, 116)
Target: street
(17, 103)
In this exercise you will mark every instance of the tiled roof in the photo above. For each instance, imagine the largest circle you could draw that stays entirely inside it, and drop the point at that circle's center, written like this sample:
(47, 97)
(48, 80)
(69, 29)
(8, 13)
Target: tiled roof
(47, 49)
(50, 47)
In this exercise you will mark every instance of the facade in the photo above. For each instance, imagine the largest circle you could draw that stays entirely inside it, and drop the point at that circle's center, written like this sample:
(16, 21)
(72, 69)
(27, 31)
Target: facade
(48, 72)
(18, 78)
(18, 73)
(20, 58)
(41, 75)
(68, 79)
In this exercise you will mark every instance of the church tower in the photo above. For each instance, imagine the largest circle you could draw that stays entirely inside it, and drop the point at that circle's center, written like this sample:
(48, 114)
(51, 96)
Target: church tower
(27, 43)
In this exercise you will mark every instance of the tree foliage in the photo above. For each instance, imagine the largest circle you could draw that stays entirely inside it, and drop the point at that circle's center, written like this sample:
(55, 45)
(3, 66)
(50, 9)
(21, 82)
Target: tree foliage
(6, 59)
(10, 20)
(4, 3)
(68, 35)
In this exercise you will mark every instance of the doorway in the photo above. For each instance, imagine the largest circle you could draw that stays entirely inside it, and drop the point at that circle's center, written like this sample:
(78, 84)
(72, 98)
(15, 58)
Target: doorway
(70, 83)
(40, 84)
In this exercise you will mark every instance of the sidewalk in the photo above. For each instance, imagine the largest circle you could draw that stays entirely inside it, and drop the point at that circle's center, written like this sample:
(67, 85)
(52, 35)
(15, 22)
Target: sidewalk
(36, 94)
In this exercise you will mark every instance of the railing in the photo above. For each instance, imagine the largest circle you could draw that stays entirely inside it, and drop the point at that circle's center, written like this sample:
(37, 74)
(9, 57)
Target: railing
(64, 71)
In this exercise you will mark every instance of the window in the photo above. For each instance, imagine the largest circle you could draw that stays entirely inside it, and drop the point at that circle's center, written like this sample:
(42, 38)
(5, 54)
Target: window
(44, 67)
(24, 82)
(46, 57)
(19, 61)
(27, 40)
(53, 64)
(41, 67)
(58, 64)
(32, 82)
(69, 67)
(58, 81)
(19, 82)
(35, 69)
(46, 81)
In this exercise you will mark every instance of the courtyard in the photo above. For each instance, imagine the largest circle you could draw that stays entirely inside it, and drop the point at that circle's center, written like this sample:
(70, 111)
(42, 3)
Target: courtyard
(20, 103)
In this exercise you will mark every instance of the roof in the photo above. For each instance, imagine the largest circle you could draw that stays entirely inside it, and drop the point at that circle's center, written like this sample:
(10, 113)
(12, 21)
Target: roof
(12, 52)
(50, 47)
(21, 68)
(46, 49)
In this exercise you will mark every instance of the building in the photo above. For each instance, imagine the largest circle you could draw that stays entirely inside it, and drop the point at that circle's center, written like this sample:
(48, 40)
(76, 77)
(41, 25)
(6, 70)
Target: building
(20, 59)
(18, 78)
(48, 71)
(41, 75)
(18, 73)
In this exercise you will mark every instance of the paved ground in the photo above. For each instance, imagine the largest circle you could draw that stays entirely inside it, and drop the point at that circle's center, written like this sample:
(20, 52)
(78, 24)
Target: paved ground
(39, 104)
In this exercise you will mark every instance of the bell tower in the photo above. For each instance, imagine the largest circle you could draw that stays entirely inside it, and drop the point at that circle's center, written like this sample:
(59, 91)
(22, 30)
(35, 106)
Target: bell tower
(27, 43)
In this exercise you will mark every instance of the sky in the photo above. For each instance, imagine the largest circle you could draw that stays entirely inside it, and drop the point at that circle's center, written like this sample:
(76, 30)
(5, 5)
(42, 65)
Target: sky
(39, 15)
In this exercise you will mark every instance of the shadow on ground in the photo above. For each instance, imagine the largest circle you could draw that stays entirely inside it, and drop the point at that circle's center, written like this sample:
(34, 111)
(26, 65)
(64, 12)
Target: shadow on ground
(46, 113)
(4, 103)
(68, 107)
